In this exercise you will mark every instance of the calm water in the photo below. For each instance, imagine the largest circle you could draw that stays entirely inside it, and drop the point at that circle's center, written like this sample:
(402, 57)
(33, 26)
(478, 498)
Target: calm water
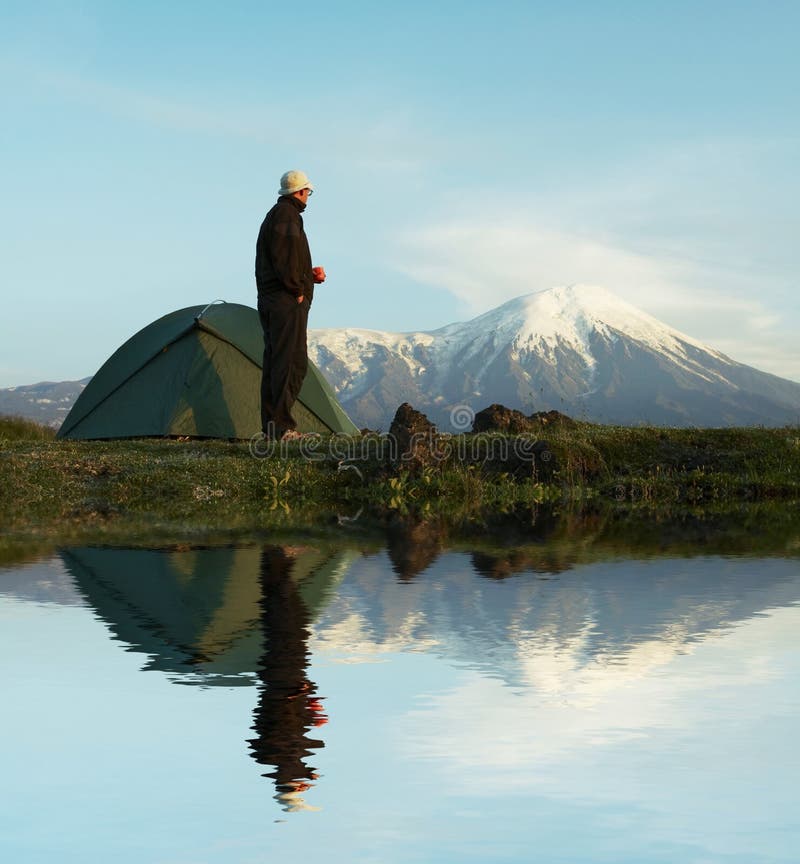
(265, 702)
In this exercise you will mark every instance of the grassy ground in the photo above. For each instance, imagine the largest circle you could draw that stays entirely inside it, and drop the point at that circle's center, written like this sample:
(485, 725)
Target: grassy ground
(162, 488)
(22, 429)
(693, 466)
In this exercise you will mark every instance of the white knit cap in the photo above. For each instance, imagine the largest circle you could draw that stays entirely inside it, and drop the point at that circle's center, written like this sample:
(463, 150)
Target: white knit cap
(294, 181)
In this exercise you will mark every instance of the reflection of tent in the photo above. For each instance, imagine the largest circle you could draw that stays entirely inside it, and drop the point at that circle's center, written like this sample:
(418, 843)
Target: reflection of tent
(194, 372)
(195, 611)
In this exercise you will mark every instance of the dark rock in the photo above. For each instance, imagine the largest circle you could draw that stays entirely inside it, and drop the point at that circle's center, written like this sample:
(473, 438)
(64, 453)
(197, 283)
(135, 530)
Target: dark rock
(414, 439)
(552, 418)
(498, 418)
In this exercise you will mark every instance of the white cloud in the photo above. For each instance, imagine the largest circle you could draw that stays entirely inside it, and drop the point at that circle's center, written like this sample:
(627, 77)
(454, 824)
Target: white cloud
(668, 727)
(574, 708)
(483, 264)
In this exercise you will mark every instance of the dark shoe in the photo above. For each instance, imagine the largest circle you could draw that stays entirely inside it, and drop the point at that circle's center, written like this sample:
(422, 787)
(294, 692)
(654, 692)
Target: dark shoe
(272, 433)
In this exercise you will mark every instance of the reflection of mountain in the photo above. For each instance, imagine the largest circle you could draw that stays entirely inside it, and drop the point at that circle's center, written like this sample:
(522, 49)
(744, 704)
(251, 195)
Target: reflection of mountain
(609, 610)
(194, 611)
(40, 582)
(197, 612)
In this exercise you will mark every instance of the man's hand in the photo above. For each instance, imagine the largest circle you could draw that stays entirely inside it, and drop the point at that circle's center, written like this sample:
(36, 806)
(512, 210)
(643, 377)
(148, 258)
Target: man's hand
(319, 274)
(300, 298)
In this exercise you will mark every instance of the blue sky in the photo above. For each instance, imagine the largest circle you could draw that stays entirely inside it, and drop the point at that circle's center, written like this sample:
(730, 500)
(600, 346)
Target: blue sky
(463, 154)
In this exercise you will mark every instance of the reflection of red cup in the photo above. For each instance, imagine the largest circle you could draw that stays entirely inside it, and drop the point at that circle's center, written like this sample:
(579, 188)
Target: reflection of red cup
(319, 274)
(320, 717)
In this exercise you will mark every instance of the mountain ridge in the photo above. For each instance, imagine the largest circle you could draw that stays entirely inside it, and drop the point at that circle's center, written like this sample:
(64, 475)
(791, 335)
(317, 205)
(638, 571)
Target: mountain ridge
(46, 402)
(578, 349)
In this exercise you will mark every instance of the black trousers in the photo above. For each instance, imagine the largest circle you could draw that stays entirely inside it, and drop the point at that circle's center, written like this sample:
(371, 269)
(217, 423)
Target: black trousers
(284, 322)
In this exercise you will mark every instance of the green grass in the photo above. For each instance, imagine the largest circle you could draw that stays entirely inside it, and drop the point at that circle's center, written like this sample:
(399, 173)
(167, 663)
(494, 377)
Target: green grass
(162, 488)
(21, 429)
(685, 465)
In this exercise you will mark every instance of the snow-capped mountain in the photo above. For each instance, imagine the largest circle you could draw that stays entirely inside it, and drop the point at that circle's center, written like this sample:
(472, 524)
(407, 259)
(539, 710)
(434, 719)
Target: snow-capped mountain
(578, 349)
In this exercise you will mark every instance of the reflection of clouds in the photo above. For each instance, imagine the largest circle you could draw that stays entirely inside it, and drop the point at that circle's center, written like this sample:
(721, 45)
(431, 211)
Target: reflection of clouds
(560, 670)
(573, 709)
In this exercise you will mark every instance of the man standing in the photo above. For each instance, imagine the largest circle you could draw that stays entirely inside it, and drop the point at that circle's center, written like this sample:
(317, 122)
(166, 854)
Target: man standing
(285, 281)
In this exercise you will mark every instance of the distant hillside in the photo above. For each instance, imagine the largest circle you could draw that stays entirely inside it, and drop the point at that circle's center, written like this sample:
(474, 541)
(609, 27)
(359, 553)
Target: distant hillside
(47, 402)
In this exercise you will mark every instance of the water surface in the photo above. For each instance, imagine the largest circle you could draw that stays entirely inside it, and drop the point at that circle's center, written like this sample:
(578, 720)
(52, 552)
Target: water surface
(402, 703)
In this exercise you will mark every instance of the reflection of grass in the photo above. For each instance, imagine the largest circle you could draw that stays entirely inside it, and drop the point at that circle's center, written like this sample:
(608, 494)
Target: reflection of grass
(600, 532)
(162, 488)
(544, 539)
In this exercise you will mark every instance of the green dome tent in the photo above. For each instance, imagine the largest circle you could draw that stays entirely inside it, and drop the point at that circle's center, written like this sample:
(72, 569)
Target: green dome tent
(194, 372)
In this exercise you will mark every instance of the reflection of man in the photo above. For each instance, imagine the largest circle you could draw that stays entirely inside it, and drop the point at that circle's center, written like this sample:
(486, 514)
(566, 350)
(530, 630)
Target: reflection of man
(285, 281)
(288, 706)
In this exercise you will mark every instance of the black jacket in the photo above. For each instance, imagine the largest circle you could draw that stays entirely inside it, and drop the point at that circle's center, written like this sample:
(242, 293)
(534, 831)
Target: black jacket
(283, 259)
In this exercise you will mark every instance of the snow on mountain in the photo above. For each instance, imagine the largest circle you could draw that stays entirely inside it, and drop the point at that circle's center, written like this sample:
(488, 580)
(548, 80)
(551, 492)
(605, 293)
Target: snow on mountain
(579, 349)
